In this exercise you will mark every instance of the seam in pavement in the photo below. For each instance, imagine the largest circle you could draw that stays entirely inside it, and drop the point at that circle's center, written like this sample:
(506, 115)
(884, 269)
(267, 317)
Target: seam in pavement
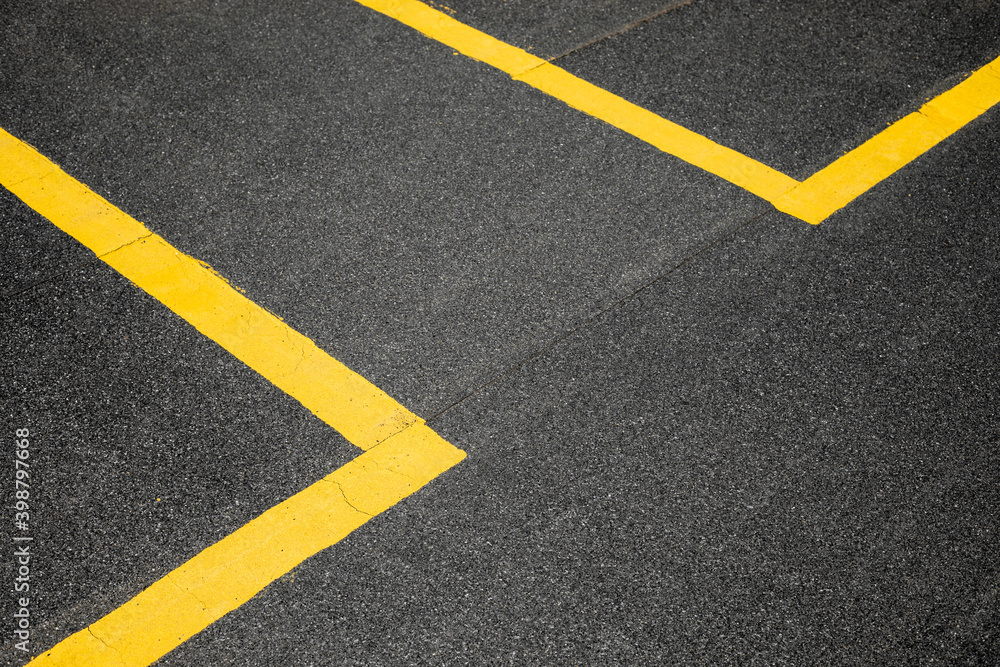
(27, 288)
(90, 260)
(76, 266)
(601, 313)
(625, 28)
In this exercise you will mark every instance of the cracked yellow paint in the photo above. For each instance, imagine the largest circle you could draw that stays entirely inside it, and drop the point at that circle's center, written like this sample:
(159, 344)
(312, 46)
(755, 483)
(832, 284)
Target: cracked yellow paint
(230, 572)
(812, 200)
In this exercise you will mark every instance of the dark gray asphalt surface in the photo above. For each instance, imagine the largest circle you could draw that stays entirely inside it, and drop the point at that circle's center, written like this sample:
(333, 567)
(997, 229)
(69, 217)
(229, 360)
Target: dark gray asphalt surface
(780, 452)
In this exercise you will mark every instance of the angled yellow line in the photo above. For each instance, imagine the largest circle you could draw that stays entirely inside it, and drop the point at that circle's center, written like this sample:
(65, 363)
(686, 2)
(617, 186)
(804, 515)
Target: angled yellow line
(359, 410)
(402, 453)
(835, 186)
(812, 200)
(230, 572)
(669, 137)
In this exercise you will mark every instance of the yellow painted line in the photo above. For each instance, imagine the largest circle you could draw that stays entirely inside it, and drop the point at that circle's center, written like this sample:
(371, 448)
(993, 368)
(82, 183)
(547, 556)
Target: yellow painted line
(359, 410)
(669, 137)
(230, 572)
(402, 453)
(812, 200)
(835, 186)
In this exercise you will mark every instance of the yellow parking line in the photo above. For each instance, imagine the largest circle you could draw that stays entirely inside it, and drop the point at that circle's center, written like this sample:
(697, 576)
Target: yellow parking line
(359, 410)
(812, 200)
(230, 572)
(402, 453)
(838, 184)
(669, 137)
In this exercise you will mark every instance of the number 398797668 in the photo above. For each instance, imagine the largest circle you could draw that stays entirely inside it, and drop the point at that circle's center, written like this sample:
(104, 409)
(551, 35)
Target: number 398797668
(22, 487)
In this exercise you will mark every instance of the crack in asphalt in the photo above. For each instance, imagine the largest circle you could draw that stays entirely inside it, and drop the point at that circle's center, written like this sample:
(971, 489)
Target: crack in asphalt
(48, 279)
(86, 262)
(623, 29)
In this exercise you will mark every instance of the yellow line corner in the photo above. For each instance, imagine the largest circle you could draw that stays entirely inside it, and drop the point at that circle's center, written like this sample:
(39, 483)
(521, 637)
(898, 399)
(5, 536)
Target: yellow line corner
(402, 454)
(229, 573)
(812, 200)
(665, 135)
(835, 186)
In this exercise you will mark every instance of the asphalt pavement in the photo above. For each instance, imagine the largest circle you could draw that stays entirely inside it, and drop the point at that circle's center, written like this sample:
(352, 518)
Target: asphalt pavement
(698, 430)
